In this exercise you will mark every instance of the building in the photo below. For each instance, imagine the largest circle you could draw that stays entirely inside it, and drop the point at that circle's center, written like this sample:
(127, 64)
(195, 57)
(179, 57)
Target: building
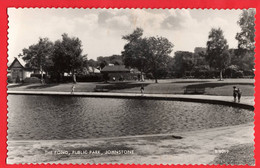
(119, 73)
(17, 69)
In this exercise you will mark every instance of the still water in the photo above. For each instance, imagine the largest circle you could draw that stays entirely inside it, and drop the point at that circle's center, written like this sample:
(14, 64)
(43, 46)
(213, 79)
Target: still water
(56, 117)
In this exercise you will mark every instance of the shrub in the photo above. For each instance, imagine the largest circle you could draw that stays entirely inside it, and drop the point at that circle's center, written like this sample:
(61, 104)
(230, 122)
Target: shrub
(32, 80)
(9, 79)
(239, 74)
(149, 76)
(90, 78)
(17, 80)
(38, 76)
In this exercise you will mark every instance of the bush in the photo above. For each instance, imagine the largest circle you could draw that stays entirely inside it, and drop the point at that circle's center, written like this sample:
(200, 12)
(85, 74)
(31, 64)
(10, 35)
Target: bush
(90, 78)
(9, 79)
(17, 80)
(239, 74)
(150, 75)
(38, 76)
(32, 80)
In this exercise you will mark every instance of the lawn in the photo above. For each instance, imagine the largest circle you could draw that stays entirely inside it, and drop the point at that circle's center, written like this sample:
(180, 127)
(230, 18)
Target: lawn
(168, 86)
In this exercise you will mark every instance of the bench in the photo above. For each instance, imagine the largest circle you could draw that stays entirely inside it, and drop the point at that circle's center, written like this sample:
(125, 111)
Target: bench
(194, 91)
(99, 88)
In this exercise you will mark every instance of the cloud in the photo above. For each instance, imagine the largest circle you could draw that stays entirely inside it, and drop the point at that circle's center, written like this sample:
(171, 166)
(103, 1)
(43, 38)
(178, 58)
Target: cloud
(177, 19)
(118, 22)
(172, 22)
(101, 30)
(103, 16)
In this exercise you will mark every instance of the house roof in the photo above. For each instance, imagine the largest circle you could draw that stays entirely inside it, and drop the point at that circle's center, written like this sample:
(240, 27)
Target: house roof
(93, 69)
(21, 62)
(134, 70)
(115, 68)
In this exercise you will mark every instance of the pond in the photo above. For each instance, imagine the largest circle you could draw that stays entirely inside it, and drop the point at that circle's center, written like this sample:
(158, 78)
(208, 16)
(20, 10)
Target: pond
(59, 117)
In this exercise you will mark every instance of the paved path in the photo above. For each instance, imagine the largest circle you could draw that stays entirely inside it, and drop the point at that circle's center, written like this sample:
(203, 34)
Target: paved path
(246, 101)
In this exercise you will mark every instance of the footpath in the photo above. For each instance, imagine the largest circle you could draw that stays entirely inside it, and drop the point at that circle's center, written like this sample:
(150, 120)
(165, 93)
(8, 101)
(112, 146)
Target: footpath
(246, 101)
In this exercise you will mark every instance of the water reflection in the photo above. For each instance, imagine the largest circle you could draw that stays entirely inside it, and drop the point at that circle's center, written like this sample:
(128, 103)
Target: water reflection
(55, 117)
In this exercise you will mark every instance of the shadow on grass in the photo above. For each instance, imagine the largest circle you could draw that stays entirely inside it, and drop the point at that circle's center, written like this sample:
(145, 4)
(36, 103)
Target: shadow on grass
(213, 85)
(18, 85)
(40, 86)
(119, 86)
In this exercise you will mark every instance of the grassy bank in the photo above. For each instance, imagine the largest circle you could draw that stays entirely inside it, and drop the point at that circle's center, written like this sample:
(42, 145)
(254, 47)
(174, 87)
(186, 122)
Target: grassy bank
(169, 86)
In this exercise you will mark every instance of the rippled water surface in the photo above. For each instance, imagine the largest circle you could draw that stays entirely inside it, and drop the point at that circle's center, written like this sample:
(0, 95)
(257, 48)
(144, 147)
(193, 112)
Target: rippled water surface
(55, 117)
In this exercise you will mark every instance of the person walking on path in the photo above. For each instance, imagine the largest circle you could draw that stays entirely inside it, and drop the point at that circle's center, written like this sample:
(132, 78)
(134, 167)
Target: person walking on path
(239, 94)
(142, 89)
(73, 88)
(235, 93)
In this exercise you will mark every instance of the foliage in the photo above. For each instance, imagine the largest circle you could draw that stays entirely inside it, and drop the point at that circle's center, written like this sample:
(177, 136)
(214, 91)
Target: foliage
(133, 54)
(9, 79)
(246, 42)
(32, 80)
(90, 78)
(183, 61)
(67, 55)
(246, 36)
(114, 59)
(38, 56)
(217, 50)
(147, 54)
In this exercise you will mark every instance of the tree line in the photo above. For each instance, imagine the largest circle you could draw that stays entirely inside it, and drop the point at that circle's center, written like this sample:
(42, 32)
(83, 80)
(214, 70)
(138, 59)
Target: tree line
(151, 55)
(216, 57)
(62, 56)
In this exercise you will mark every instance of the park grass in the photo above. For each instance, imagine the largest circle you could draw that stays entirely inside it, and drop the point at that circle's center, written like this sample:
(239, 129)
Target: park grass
(167, 86)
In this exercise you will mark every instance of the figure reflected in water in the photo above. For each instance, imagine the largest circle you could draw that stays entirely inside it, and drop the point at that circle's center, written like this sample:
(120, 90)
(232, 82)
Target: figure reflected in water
(72, 89)
(142, 89)
(235, 93)
(239, 94)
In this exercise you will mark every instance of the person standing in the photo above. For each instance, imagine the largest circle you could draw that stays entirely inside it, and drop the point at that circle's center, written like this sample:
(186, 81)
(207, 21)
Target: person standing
(239, 94)
(235, 93)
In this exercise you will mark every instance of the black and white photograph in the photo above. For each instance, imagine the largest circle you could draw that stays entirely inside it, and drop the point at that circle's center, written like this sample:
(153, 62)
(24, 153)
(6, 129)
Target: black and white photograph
(131, 86)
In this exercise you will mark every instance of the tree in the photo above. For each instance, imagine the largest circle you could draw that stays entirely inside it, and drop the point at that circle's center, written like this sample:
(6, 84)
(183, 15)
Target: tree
(114, 59)
(246, 36)
(67, 56)
(217, 51)
(246, 42)
(157, 53)
(183, 61)
(38, 56)
(133, 54)
(146, 54)
(92, 63)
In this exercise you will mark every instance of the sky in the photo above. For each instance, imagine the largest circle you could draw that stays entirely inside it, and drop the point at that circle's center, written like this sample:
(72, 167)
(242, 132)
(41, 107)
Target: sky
(101, 30)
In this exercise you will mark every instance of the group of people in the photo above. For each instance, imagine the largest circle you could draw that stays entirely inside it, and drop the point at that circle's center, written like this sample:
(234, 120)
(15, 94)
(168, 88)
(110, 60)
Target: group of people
(237, 93)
